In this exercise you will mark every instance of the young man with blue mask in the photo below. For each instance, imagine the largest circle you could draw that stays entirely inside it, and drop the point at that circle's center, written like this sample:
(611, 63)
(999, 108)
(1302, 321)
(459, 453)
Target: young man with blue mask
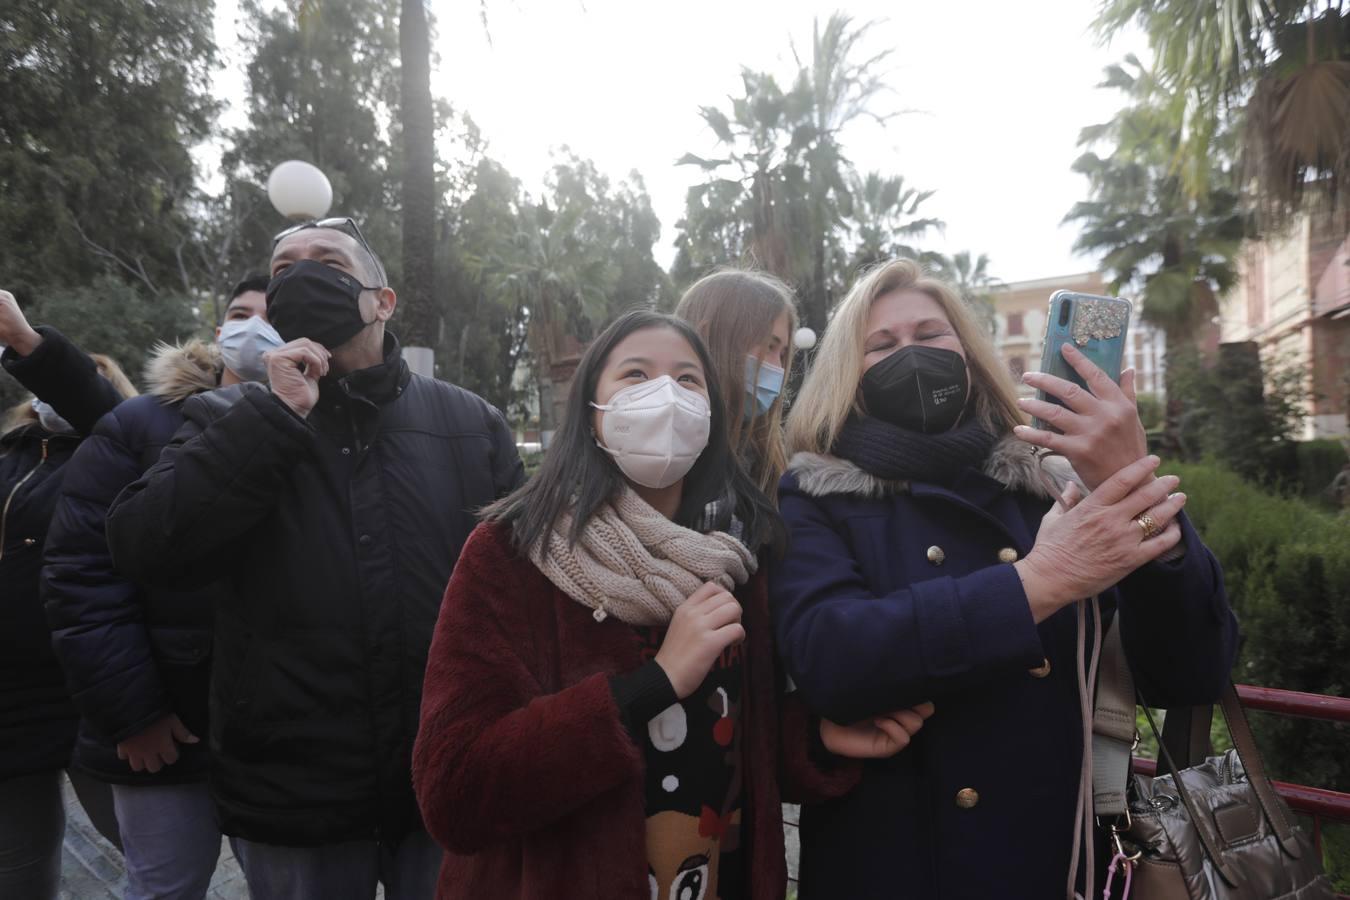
(246, 336)
(335, 501)
(138, 659)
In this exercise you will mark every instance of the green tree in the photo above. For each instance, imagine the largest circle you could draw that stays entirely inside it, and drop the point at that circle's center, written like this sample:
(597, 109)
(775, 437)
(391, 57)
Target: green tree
(1173, 250)
(484, 338)
(103, 101)
(1274, 71)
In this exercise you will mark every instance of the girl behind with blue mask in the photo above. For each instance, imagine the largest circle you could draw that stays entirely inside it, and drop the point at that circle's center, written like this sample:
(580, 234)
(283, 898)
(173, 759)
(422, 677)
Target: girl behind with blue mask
(746, 319)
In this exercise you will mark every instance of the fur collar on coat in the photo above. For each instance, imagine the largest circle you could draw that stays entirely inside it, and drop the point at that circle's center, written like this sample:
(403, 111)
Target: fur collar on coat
(1012, 462)
(178, 371)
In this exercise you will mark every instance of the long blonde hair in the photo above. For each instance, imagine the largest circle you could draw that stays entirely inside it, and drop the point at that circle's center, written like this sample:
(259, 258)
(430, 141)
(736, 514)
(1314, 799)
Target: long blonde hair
(23, 413)
(829, 394)
(734, 311)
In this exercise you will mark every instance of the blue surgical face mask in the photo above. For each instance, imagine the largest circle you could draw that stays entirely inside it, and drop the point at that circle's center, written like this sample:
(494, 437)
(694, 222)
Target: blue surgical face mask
(763, 384)
(243, 343)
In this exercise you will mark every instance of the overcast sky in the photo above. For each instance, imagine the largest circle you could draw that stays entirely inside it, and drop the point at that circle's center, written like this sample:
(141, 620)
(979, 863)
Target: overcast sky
(999, 90)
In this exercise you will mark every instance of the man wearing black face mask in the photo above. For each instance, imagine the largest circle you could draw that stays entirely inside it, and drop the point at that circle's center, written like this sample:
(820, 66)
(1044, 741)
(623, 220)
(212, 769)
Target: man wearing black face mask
(334, 504)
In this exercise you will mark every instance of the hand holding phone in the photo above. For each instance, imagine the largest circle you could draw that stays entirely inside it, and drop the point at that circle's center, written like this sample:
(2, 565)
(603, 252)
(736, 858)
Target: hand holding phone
(1080, 410)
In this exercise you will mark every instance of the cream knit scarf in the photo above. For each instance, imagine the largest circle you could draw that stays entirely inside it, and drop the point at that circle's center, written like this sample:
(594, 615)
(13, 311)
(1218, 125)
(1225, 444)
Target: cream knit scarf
(633, 563)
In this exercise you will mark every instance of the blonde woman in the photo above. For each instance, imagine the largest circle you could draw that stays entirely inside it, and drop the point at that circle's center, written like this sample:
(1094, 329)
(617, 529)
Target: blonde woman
(925, 565)
(746, 319)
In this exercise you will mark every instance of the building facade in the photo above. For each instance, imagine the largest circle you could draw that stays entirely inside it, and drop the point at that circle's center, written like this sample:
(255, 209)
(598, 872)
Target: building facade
(1293, 301)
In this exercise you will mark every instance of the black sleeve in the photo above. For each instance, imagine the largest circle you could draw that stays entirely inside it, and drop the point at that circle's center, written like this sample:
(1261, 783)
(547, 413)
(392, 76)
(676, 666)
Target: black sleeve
(641, 696)
(60, 373)
(508, 472)
(219, 476)
(96, 615)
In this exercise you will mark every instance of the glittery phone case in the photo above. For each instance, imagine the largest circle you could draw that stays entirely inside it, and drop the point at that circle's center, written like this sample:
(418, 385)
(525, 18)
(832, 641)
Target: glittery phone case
(1096, 325)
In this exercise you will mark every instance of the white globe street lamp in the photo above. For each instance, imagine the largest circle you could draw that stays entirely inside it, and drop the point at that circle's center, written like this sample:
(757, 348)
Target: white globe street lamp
(299, 190)
(804, 338)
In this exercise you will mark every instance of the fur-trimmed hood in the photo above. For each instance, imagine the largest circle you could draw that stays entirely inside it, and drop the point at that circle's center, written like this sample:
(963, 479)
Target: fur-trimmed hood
(177, 371)
(1012, 462)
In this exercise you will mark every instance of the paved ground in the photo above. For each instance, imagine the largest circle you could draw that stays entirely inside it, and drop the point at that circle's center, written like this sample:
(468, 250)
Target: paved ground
(91, 868)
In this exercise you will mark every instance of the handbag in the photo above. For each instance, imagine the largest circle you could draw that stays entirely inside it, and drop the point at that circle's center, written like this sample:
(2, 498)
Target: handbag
(1211, 828)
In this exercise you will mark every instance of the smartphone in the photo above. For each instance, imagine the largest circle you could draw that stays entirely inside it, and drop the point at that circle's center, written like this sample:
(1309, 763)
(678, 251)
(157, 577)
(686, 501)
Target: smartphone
(1095, 325)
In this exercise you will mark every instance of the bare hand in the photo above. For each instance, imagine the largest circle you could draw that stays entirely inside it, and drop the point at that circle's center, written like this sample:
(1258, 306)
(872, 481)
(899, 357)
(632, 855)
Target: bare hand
(293, 372)
(703, 626)
(14, 328)
(1093, 545)
(1102, 433)
(157, 746)
(881, 738)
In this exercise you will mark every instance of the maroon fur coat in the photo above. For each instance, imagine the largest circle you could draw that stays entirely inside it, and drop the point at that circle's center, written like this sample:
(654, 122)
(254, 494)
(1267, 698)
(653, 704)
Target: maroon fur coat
(523, 768)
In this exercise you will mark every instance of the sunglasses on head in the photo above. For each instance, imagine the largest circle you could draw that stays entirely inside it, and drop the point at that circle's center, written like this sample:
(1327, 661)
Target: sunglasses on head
(345, 224)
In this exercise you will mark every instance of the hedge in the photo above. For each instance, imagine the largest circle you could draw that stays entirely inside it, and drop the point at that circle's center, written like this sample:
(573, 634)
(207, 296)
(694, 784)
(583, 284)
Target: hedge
(1286, 567)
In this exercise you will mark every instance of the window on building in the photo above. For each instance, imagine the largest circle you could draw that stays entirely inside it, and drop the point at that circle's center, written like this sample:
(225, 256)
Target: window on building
(1017, 365)
(1014, 323)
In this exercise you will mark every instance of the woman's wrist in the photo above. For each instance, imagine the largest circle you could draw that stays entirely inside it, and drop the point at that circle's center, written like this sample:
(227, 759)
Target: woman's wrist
(1045, 594)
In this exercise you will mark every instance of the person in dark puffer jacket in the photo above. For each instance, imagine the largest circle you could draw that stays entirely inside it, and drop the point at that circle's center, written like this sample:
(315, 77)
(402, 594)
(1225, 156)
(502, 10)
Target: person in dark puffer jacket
(138, 660)
(37, 722)
(333, 503)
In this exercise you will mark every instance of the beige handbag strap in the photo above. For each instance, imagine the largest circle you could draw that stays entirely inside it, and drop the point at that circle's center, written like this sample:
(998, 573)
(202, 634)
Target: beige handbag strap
(1113, 732)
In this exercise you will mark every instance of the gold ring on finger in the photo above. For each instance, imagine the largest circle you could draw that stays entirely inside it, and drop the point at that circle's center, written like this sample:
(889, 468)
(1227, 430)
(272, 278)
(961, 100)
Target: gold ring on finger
(1149, 525)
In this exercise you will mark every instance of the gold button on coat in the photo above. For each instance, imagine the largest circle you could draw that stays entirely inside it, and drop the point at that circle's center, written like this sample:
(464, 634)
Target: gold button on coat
(966, 798)
(1007, 555)
(1040, 671)
(936, 555)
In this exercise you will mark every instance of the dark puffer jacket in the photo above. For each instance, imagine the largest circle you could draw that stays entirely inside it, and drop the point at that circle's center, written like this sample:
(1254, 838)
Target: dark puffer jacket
(37, 720)
(335, 537)
(131, 655)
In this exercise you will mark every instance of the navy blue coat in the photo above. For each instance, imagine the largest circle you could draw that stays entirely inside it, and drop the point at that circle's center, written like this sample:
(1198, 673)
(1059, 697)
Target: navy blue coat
(893, 594)
(37, 721)
(131, 654)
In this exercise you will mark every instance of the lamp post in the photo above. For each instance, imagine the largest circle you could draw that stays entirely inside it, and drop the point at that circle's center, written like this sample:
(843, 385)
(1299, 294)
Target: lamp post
(299, 190)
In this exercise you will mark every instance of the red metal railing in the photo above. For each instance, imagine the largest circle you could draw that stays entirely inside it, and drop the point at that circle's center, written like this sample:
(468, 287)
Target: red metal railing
(1317, 803)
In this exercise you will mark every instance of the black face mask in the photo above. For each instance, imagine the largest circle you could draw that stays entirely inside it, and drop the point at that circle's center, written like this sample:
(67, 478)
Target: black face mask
(922, 389)
(311, 300)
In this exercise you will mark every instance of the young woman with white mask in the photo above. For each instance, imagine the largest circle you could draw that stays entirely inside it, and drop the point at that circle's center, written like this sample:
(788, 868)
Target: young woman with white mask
(601, 713)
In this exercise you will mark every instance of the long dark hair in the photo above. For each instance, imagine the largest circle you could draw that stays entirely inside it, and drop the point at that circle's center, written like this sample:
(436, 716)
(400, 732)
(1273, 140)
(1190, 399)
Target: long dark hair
(578, 476)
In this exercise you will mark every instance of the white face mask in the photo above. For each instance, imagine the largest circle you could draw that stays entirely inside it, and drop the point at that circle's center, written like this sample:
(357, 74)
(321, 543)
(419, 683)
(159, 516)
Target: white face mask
(50, 420)
(655, 430)
(243, 343)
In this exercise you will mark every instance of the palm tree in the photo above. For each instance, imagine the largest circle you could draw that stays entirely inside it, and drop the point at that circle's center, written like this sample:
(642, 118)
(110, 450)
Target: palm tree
(882, 216)
(1274, 70)
(1176, 250)
(779, 194)
(970, 276)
